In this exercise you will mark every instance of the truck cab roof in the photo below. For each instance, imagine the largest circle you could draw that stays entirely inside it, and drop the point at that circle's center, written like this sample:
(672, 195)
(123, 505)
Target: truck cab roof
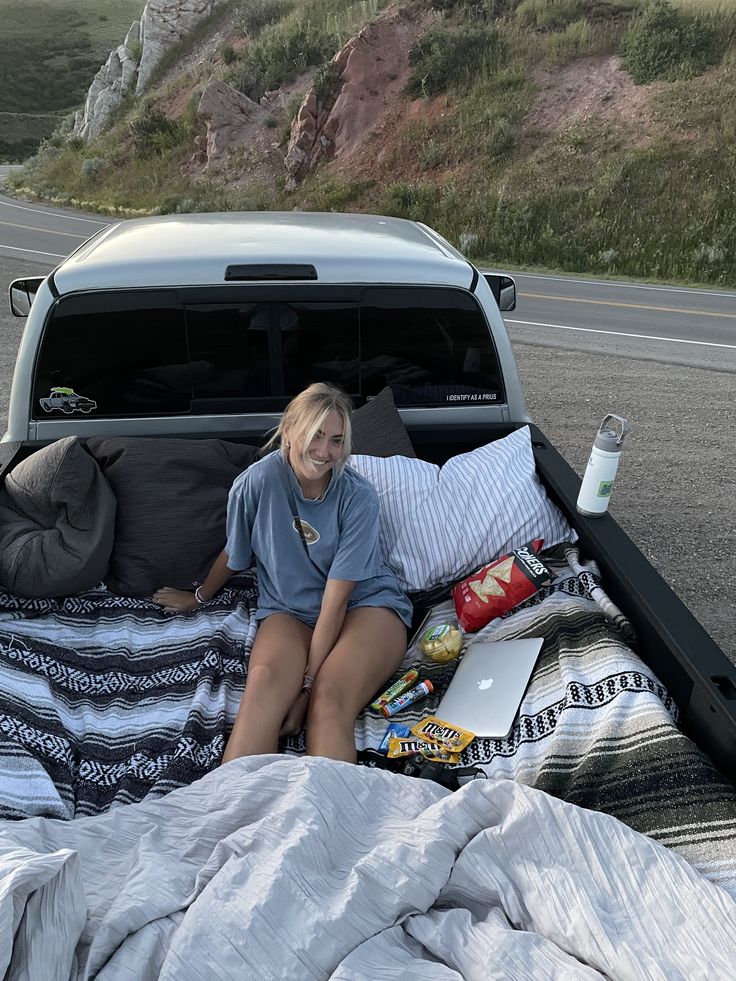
(199, 249)
(181, 324)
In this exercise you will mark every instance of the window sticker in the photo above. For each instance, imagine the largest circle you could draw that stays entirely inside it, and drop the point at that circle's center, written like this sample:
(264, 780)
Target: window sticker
(473, 397)
(67, 401)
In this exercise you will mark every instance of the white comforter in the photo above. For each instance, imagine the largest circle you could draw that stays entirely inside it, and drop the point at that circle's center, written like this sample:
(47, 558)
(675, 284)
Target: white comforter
(277, 867)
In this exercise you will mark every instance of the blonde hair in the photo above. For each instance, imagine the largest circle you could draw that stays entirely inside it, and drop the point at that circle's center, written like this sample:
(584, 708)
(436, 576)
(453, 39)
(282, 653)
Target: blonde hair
(304, 416)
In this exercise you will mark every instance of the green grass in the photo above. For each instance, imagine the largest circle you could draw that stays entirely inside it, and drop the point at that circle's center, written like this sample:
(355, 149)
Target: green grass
(47, 71)
(665, 43)
(610, 213)
(707, 110)
(305, 37)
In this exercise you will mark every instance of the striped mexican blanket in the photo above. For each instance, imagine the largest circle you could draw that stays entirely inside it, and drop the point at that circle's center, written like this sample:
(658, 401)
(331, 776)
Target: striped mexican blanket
(105, 701)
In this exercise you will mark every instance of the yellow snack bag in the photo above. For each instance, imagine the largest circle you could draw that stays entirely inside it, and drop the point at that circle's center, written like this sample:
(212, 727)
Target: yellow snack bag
(450, 736)
(409, 747)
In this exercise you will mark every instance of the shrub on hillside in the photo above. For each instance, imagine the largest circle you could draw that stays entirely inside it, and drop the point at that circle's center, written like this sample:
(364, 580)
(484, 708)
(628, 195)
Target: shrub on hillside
(663, 43)
(548, 15)
(257, 14)
(227, 53)
(280, 53)
(327, 83)
(413, 201)
(294, 105)
(447, 56)
(476, 9)
(154, 133)
(91, 168)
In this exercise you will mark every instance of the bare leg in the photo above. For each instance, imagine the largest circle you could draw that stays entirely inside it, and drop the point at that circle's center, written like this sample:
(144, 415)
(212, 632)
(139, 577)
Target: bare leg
(369, 649)
(275, 673)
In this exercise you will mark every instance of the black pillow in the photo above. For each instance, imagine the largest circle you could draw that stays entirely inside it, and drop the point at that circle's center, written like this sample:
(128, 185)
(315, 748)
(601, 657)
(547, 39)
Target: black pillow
(378, 429)
(171, 505)
(57, 519)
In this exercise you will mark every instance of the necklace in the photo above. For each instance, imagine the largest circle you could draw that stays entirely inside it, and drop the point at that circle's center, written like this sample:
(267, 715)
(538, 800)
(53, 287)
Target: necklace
(319, 496)
(321, 493)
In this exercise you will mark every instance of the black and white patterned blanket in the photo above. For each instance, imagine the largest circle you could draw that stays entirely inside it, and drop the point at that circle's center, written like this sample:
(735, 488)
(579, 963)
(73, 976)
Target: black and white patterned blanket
(105, 701)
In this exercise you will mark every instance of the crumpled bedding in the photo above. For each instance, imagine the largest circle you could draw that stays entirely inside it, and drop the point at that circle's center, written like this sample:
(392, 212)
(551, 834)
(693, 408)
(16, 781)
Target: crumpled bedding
(278, 867)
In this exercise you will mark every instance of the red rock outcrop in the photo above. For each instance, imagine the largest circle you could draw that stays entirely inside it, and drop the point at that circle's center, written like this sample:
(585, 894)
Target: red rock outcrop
(372, 70)
(227, 113)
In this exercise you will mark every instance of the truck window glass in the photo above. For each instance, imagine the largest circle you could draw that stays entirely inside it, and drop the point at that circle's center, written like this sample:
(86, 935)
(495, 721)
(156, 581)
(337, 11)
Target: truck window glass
(256, 356)
(125, 352)
(431, 346)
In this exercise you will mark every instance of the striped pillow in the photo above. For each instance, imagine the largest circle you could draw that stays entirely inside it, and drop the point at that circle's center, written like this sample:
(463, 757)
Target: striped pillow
(440, 523)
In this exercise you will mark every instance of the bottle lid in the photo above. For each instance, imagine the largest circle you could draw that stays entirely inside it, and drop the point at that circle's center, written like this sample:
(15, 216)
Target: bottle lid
(609, 437)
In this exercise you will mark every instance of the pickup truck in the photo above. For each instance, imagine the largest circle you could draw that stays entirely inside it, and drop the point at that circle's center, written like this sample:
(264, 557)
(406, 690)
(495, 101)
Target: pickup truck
(205, 325)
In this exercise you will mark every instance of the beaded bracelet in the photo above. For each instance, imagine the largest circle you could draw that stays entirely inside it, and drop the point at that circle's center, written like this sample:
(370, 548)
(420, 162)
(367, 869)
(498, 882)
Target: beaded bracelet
(307, 684)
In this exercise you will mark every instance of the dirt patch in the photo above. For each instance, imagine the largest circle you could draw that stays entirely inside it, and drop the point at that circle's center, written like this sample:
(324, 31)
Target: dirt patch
(175, 100)
(390, 152)
(594, 89)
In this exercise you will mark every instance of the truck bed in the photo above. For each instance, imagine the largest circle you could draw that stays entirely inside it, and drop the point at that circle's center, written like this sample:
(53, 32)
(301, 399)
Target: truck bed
(696, 672)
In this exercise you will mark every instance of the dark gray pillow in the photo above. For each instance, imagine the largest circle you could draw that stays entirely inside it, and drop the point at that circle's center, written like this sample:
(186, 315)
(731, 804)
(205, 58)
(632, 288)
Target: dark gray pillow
(172, 500)
(378, 429)
(57, 520)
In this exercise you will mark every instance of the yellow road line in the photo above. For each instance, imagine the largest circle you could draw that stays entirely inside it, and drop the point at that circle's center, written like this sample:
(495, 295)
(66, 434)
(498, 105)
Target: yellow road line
(47, 231)
(632, 306)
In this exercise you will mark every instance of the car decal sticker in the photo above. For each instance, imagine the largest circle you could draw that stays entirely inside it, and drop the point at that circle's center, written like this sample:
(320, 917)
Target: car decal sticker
(66, 400)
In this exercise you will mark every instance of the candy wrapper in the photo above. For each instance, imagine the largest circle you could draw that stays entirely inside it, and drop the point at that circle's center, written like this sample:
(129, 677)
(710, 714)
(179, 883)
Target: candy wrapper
(430, 751)
(414, 694)
(394, 730)
(500, 586)
(445, 734)
(405, 682)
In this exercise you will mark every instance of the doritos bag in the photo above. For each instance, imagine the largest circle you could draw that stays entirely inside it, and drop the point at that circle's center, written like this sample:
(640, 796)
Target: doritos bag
(500, 586)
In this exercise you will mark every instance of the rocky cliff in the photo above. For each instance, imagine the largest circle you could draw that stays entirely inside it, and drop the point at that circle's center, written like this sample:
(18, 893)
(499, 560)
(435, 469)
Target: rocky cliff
(130, 66)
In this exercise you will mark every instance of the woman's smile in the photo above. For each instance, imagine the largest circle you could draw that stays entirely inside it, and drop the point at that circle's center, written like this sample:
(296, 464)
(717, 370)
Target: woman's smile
(313, 463)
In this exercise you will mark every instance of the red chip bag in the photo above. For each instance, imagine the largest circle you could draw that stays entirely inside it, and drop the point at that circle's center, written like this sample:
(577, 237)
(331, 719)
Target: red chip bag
(500, 586)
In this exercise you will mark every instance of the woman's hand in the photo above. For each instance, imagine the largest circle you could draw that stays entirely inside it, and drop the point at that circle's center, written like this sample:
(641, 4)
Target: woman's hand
(294, 721)
(175, 600)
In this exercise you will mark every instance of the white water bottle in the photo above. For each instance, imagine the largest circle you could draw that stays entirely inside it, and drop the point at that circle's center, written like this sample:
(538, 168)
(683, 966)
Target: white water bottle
(595, 490)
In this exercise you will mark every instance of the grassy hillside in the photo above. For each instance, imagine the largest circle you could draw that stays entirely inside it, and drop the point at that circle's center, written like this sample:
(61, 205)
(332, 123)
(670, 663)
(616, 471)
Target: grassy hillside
(49, 52)
(590, 136)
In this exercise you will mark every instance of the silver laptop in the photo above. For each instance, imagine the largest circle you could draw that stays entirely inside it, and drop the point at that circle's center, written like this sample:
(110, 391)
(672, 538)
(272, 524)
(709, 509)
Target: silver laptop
(486, 690)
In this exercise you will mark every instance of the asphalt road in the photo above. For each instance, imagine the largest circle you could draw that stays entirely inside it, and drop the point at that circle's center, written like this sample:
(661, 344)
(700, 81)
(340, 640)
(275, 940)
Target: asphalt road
(38, 232)
(662, 357)
(693, 327)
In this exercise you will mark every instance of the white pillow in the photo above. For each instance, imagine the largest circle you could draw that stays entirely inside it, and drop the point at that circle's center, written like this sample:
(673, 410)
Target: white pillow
(438, 524)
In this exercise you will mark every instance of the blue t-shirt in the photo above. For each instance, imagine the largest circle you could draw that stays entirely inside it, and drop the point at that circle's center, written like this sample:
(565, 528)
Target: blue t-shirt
(338, 540)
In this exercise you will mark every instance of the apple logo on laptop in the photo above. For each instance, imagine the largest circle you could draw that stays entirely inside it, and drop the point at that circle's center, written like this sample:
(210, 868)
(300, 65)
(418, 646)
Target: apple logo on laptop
(485, 683)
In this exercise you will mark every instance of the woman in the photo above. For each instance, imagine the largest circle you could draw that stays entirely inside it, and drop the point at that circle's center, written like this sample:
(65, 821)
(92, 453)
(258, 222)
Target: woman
(332, 618)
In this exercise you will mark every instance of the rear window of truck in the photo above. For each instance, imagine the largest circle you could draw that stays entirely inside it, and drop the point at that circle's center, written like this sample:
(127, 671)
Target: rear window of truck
(244, 349)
